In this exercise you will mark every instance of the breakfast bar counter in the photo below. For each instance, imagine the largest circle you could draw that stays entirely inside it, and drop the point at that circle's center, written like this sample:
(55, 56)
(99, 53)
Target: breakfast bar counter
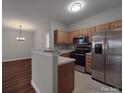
(55, 72)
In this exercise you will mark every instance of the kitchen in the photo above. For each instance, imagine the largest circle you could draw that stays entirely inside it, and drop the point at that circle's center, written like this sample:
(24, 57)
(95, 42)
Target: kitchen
(90, 62)
(61, 37)
(68, 50)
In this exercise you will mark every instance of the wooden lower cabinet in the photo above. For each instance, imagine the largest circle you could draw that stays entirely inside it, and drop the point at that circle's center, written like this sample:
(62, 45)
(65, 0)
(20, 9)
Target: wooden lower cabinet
(66, 78)
(88, 64)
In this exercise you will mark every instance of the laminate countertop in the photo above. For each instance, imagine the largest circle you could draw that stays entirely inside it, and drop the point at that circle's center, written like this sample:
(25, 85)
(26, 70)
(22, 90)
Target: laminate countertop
(64, 51)
(90, 54)
(61, 60)
(65, 60)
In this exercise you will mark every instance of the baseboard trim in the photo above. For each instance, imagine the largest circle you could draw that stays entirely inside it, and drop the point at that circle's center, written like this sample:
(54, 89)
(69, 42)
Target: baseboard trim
(35, 87)
(9, 60)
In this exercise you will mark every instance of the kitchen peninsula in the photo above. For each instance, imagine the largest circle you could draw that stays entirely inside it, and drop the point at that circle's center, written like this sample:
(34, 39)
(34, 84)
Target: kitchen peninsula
(52, 73)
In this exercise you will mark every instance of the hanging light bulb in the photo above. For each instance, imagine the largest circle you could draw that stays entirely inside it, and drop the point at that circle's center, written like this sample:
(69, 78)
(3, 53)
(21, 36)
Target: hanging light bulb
(20, 38)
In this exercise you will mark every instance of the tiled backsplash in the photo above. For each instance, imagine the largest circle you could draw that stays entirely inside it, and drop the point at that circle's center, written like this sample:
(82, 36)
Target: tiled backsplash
(64, 46)
(60, 46)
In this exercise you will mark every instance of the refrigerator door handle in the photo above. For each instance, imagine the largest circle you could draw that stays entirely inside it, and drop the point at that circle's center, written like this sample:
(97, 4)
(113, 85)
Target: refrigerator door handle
(106, 46)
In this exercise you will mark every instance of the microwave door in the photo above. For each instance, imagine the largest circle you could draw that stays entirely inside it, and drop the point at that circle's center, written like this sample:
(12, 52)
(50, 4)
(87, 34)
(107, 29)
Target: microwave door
(80, 41)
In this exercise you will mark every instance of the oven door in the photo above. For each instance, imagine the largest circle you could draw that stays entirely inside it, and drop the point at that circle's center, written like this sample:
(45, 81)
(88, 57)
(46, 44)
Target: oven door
(80, 58)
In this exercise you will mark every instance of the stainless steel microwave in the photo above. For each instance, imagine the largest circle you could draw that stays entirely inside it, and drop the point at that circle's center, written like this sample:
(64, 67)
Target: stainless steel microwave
(80, 40)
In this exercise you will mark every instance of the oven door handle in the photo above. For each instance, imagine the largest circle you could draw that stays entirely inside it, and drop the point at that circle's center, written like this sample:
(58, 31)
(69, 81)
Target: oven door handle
(78, 54)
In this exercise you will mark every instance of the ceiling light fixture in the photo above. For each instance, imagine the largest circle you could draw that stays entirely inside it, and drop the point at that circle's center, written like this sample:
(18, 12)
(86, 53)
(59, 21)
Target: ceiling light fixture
(20, 38)
(76, 6)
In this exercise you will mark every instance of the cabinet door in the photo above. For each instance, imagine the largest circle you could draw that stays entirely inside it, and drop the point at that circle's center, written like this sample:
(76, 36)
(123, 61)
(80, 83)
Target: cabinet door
(66, 38)
(72, 34)
(102, 27)
(88, 68)
(75, 33)
(90, 32)
(71, 37)
(60, 37)
(81, 32)
(115, 24)
(66, 78)
(84, 32)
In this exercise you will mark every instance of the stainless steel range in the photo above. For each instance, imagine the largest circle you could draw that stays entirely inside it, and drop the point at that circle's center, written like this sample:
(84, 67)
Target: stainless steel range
(79, 55)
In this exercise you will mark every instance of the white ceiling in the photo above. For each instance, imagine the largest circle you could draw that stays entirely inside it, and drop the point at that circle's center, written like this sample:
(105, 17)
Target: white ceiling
(55, 9)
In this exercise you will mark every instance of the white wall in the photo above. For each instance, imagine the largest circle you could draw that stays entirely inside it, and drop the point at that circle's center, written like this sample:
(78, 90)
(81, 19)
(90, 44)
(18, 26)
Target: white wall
(55, 25)
(47, 27)
(44, 72)
(39, 36)
(13, 49)
(107, 16)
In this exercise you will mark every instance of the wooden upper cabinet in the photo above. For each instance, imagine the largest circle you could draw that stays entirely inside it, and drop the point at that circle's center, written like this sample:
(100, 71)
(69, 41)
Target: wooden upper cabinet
(60, 37)
(90, 32)
(84, 32)
(109, 26)
(102, 27)
(115, 24)
(66, 38)
(80, 32)
(70, 36)
(75, 33)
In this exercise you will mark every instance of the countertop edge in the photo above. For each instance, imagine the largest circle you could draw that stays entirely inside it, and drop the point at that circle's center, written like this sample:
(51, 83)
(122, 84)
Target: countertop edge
(65, 60)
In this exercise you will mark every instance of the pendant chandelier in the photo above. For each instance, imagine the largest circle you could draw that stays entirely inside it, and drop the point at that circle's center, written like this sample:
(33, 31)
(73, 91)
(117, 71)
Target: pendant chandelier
(20, 38)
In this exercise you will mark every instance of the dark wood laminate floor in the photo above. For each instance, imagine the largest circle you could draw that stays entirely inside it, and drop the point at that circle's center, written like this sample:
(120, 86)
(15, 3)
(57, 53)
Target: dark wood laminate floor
(31, 91)
(16, 77)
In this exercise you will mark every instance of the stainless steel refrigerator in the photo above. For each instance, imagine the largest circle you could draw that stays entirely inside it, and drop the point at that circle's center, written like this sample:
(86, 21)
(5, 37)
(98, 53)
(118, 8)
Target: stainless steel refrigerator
(107, 57)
